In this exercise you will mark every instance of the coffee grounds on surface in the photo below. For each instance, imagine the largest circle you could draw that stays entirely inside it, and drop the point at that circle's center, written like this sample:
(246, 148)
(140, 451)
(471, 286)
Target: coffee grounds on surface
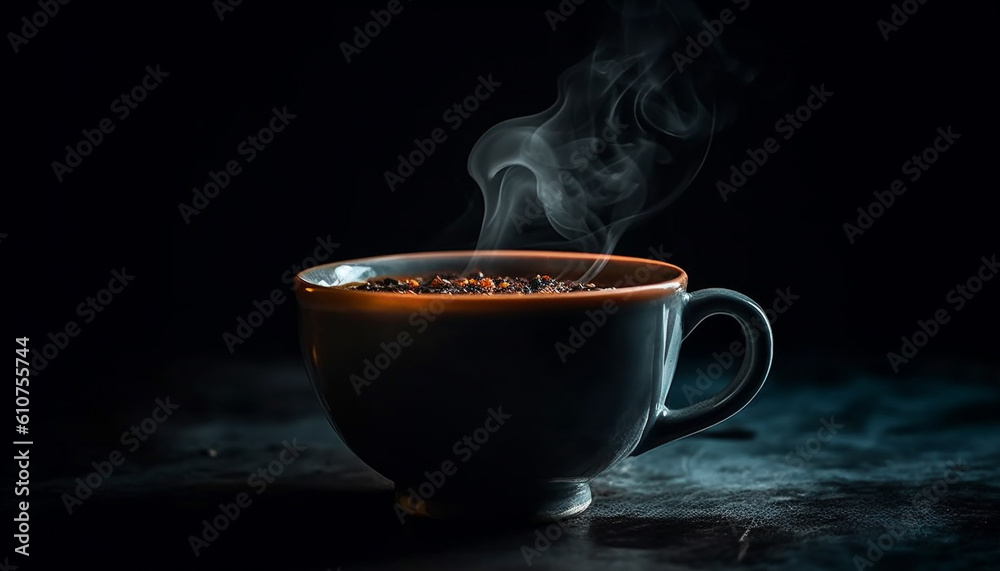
(475, 283)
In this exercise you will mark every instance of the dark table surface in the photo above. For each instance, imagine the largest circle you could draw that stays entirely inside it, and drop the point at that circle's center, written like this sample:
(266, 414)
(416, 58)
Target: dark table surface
(906, 478)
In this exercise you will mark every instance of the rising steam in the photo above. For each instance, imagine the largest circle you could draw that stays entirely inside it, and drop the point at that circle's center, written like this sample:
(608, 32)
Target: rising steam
(577, 174)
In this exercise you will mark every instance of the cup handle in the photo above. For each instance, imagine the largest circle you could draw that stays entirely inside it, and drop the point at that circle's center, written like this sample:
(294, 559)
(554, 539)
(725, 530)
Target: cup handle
(671, 425)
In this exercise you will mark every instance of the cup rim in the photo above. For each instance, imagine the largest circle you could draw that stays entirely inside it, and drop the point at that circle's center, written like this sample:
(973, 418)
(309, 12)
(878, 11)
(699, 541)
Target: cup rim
(304, 288)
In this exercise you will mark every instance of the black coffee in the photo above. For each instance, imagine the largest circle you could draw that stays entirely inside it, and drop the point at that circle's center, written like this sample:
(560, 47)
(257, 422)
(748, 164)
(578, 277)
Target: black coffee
(475, 284)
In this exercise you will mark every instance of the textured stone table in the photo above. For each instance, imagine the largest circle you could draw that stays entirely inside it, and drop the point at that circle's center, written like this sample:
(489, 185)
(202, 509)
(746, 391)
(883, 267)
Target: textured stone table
(813, 474)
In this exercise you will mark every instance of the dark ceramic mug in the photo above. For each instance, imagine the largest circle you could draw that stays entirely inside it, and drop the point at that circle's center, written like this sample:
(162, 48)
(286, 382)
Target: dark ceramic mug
(508, 405)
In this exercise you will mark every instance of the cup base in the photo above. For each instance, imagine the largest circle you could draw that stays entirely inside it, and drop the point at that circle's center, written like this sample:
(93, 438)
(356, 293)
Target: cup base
(550, 502)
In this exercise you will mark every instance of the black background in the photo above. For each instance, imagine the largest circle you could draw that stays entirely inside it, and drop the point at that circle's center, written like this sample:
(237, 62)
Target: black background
(322, 176)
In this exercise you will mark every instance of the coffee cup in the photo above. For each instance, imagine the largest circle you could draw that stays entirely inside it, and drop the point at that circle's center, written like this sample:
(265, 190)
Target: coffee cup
(507, 406)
